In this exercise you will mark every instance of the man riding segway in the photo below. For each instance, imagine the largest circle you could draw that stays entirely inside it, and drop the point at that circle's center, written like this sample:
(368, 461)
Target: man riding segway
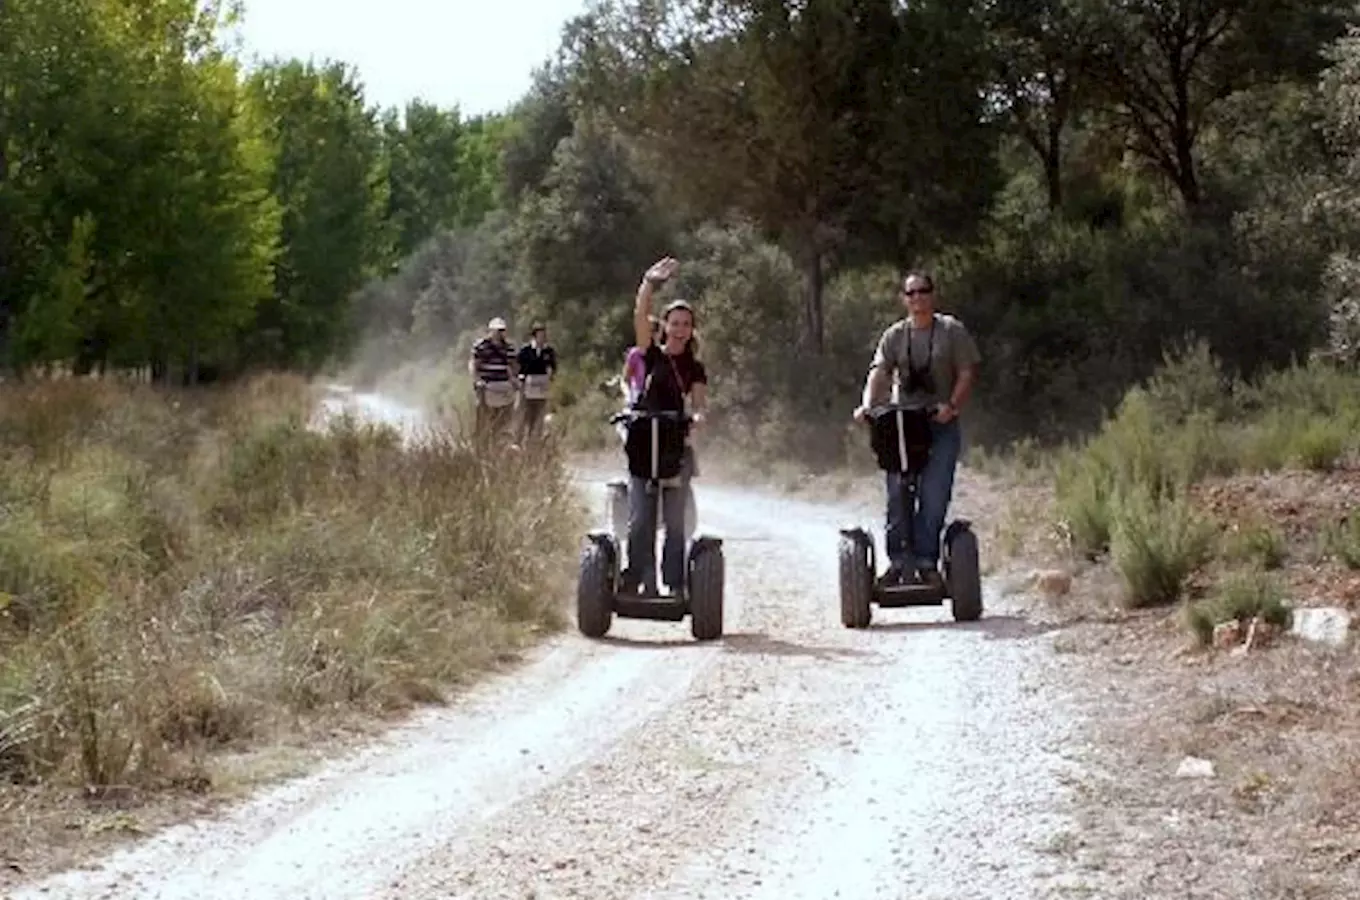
(934, 360)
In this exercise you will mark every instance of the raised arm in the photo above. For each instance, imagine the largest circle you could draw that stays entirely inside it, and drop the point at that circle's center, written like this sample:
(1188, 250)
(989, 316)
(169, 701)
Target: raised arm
(657, 275)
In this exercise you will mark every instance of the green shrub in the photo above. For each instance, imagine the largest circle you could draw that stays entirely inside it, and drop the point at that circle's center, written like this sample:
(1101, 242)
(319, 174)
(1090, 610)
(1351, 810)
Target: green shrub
(1341, 540)
(1242, 597)
(1157, 543)
(1257, 544)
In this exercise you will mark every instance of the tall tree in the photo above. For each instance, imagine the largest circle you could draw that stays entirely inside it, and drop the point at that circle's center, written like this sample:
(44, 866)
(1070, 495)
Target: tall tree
(423, 172)
(846, 129)
(1041, 52)
(585, 237)
(331, 180)
(1166, 65)
(539, 122)
(135, 197)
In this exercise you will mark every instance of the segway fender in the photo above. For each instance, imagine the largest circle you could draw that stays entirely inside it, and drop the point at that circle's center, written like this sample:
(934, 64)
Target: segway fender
(956, 527)
(604, 540)
(862, 536)
(703, 543)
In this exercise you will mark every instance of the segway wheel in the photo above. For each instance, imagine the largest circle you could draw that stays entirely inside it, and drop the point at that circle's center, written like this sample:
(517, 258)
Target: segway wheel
(706, 574)
(857, 580)
(963, 576)
(595, 590)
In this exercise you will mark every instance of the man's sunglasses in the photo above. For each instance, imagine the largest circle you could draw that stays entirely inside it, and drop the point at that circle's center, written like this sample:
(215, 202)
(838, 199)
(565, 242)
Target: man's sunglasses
(918, 291)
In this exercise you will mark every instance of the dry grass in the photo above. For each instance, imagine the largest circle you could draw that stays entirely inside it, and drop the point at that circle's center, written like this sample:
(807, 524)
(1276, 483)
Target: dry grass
(1198, 504)
(183, 575)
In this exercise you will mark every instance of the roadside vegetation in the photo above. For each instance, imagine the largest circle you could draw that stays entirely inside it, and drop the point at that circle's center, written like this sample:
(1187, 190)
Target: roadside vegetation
(1207, 490)
(1202, 518)
(187, 572)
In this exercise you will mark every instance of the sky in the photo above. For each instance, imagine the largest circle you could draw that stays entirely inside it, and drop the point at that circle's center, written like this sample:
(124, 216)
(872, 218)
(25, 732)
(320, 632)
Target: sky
(476, 55)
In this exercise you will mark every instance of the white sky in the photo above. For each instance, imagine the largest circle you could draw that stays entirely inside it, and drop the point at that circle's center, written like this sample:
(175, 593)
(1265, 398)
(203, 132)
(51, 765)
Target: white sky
(476, 55)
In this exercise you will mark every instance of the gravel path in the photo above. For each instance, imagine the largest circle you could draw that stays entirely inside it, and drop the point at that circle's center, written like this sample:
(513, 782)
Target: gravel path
(918, 759)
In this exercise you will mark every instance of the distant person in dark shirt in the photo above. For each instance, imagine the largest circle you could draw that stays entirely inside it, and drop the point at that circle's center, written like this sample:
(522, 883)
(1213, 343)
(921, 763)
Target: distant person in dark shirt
(493, 369)
(537, 366)
(674, 380)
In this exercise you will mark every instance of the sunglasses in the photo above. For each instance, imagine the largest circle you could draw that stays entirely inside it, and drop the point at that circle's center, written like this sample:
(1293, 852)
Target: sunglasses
(914, 292)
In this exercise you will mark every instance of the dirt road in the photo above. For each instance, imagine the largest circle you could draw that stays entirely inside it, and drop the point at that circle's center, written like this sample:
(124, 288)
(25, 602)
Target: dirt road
(920, 759)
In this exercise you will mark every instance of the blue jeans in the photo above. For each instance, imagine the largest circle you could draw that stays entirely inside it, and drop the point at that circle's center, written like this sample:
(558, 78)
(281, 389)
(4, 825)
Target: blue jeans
(642, 501)
(935, 488)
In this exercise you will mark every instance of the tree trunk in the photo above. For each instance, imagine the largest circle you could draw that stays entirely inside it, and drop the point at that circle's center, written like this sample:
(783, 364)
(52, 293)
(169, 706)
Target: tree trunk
(1053, 166)
(1187, 180)
(6, 289)
(813, 315)
(191, 366)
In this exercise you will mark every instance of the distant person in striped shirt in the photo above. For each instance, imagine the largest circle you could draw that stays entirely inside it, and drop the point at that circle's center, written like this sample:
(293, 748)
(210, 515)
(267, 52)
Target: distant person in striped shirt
(495, 374)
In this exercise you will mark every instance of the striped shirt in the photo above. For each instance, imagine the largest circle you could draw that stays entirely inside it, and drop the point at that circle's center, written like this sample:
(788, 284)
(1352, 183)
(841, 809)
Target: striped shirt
(492, 360)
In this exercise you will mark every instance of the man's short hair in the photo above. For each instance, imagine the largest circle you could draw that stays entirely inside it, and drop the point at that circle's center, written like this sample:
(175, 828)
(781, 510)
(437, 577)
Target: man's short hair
(919, 275)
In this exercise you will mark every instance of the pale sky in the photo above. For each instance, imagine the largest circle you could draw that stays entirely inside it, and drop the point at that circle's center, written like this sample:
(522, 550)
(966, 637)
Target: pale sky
(477, 55)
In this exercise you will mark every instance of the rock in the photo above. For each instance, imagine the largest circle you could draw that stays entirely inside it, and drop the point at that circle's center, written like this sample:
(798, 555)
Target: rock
(1194, 767)
(1326, 625)
(1053, 582)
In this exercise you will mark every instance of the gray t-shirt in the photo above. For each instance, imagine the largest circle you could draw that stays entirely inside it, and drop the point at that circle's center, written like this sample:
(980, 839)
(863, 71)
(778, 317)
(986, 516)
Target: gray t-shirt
(944, 345)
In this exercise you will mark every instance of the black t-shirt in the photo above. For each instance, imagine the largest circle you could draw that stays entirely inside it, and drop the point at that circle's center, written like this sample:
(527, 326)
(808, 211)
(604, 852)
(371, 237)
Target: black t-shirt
(536, 361)
(669, 379)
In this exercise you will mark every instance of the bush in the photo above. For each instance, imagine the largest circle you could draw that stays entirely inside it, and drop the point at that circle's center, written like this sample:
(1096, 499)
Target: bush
(1157, 543)
(180, 571)
(1242, 596)
(1189, 421)
(1137, 448)
(1342, 541)
(1257, 544)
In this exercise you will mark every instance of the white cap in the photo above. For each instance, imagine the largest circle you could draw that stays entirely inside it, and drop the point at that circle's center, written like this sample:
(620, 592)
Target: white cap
(496, 324)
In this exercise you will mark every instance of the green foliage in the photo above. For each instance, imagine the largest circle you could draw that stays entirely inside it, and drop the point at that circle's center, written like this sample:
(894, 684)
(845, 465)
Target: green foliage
(835, 145)
(1157, 542)
(1255, 543)
(159, 209)
(1342, 541)
(1128, 489)
(1241, 597)
(329, 179)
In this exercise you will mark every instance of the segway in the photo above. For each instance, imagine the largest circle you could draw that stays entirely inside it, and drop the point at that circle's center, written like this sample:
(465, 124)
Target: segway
(900, 435)
(655, 447)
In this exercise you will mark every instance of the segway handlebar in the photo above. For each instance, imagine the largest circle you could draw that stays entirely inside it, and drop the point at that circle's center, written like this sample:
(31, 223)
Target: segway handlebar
(639, 415)
(915, 406)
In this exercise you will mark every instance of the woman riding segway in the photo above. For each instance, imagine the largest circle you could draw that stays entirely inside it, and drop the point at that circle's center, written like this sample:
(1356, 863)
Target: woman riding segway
(673, 379)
